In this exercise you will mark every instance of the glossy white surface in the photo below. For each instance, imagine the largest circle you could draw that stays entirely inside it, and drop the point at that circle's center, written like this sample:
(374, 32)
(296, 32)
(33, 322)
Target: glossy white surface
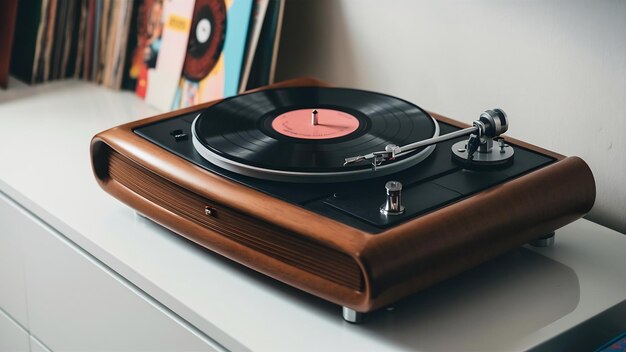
(12, 279)
(77, 304)
(37, 346)
(13, 337)
(516, 301)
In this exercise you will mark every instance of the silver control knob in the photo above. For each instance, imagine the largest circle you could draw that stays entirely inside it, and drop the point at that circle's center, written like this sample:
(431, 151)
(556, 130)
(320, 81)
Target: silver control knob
(393, 204)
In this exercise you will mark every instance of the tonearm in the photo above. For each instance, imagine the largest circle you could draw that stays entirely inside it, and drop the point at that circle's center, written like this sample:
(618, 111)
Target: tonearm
(478, 148)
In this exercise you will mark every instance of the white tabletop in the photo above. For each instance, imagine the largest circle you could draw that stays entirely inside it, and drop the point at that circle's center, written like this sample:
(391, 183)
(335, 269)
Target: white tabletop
(511, 303)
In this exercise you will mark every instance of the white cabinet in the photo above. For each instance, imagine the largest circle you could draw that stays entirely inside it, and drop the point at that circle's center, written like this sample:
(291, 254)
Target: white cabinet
(12, 337)
(36, 346)
(77, 303)
(12, 284)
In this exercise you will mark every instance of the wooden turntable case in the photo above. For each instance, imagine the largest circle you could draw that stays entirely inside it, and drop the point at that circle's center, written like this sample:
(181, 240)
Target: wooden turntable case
(326, 258)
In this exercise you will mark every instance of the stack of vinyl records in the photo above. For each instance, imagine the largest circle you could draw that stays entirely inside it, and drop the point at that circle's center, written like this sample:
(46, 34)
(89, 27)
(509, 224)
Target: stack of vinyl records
(71, 38)
(173, 53)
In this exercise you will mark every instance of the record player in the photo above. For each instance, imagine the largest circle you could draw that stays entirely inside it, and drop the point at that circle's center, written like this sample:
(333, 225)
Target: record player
(356, 197)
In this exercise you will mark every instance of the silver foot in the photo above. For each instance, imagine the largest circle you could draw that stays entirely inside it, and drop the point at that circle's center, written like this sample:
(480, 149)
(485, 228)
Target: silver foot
(544, 241)
(352, 316)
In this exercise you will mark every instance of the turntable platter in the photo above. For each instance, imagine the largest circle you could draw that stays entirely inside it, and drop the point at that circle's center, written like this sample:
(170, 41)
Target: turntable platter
(304, 134)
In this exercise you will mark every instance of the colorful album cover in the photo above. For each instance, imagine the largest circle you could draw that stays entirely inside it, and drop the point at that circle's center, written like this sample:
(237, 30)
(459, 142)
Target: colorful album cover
(165, 53)
(215, 51)
(146, 28)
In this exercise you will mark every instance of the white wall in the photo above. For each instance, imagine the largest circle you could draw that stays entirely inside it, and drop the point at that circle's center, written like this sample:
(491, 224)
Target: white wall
(558, 68)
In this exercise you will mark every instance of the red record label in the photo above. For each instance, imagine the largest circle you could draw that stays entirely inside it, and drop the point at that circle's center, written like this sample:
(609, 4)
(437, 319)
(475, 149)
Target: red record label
(330, 124)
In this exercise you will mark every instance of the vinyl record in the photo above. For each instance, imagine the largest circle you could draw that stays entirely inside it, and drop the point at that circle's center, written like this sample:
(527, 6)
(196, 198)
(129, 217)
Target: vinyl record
(206, 39)
(271, 134)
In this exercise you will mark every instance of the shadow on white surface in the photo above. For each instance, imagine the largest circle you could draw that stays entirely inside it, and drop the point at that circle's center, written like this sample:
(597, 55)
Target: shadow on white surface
(18, 90)
(485, 308)
(500, 301)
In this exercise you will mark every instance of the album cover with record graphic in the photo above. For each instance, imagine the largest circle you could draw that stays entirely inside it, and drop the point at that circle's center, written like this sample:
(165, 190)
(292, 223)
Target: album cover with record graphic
(215, 51)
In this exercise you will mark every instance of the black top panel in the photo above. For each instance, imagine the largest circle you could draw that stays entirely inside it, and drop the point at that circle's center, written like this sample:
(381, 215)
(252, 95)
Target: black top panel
(430, 185)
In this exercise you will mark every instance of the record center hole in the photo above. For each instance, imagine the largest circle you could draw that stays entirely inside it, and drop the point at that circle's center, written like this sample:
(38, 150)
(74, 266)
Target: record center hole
(203, 30)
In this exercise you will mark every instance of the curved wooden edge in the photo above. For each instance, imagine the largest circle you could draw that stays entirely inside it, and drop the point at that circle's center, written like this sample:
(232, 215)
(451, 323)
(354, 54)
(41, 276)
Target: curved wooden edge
(460, 236)
(242, 199)
(241, 254)
(387, 265)
(238, 197)
(245, 200)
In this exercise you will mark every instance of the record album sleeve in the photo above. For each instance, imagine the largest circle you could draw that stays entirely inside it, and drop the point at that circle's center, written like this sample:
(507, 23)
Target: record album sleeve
(30, 16)
(221, 48)
(256, 24)
(8, 11)
(264, 64)
(167, 48)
